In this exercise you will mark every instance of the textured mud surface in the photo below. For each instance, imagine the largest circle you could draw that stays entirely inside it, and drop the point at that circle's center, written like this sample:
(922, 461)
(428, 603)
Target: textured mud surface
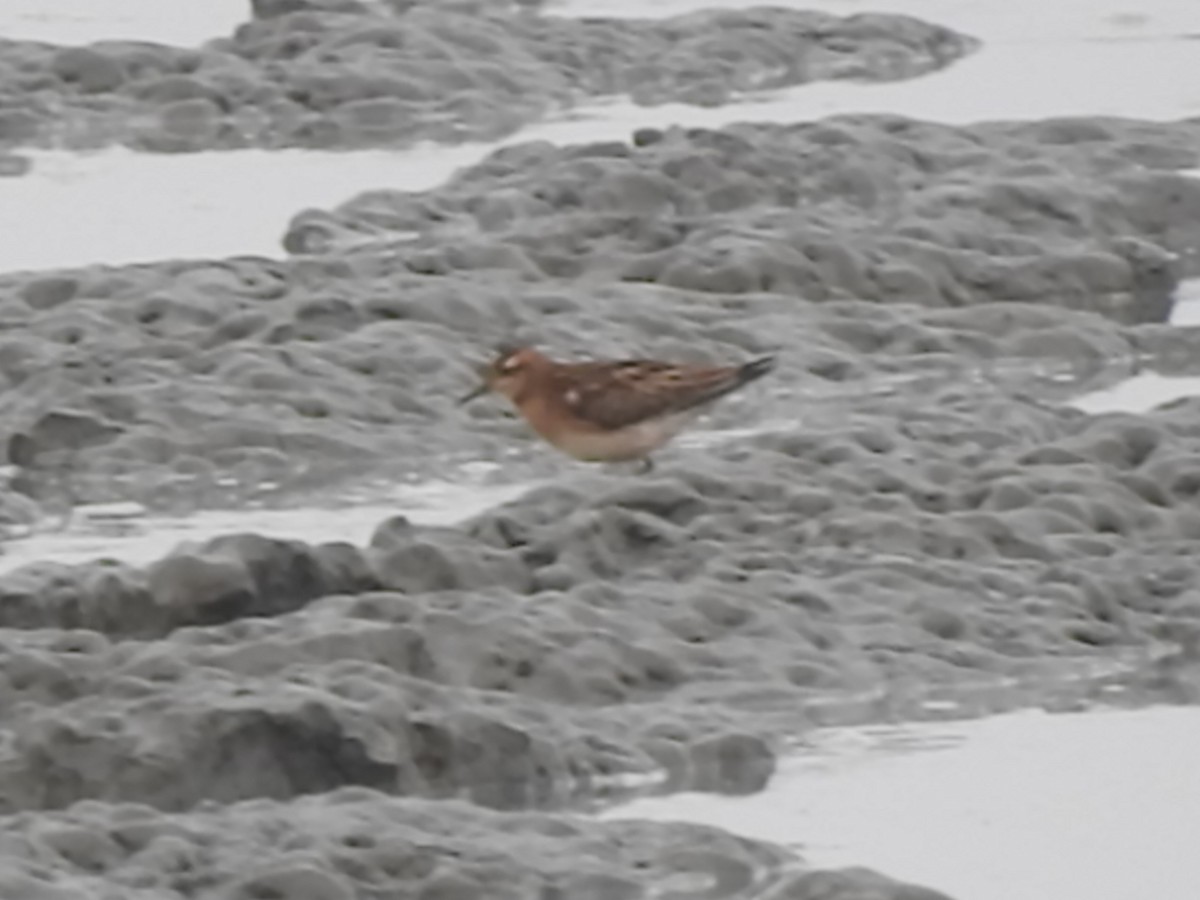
(347, 74)
(905, 511)
(1077, 213)
(359, 843)
(860, 249)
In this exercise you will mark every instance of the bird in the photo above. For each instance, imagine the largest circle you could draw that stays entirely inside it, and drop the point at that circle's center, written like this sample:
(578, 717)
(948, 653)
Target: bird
(610, 410)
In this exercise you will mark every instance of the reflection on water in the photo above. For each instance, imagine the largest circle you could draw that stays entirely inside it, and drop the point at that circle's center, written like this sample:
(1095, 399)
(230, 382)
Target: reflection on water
(1100, 805)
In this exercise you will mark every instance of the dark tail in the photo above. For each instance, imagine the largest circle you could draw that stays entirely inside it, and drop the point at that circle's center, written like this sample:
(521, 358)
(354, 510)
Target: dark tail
(755, 369)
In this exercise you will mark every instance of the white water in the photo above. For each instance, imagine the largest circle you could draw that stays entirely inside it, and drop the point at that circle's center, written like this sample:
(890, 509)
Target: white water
(1026, 806)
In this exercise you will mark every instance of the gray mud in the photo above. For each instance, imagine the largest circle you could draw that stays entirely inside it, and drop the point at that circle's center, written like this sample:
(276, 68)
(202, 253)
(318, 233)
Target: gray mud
(346, 74)
(909, 514)
(866, 250)
(1084, 213)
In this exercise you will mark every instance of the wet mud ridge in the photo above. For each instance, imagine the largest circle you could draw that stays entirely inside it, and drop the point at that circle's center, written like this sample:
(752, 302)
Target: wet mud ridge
(922, 517)
(335, 74)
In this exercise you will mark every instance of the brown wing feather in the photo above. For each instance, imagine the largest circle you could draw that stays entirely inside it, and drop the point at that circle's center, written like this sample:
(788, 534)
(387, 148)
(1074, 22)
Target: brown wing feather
(614, 395)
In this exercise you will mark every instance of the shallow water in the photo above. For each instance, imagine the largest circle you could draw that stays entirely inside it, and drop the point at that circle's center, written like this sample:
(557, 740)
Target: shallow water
(127, 532)
(1141, 393)
(116, 206)
(1087, 58)
(123, 531)
(85, 21)
(1100, 805)
(1186, 310)
(1146, 390)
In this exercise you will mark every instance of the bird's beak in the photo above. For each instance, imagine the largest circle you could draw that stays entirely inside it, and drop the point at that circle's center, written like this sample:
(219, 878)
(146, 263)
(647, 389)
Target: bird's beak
(478, 392)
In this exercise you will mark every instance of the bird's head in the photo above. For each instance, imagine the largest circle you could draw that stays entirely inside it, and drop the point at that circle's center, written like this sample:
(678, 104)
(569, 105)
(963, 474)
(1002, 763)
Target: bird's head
(507, 373)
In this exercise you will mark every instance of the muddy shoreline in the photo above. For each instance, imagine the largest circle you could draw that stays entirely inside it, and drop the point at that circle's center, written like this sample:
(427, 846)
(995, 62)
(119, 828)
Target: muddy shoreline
(906, 520)
(343, 75)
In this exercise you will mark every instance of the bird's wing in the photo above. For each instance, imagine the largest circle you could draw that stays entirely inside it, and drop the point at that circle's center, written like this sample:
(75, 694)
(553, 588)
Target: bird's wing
(618, 394)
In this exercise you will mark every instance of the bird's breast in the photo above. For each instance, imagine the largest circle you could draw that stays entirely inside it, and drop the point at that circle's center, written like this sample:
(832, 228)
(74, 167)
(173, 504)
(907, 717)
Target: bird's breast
(592, 443)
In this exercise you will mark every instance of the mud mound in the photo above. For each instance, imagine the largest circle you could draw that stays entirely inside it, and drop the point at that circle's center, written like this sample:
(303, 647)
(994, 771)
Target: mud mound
(606, 625)
(351, 75)
(184, 385)
(357, 843)
(200, 383)
(1087, 214)
(598, 632)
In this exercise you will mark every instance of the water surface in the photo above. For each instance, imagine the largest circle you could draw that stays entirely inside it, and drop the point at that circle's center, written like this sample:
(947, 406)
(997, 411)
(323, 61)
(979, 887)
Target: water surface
(116, 206)
(1101, 805)
(1146, 390)
(175, 22)
(125, 532)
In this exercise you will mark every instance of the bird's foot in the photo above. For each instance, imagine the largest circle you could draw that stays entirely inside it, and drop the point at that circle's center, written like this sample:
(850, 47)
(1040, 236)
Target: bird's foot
(646, 466)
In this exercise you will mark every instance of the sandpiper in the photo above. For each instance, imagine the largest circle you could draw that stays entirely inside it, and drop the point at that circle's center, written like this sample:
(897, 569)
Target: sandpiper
(610, 410)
